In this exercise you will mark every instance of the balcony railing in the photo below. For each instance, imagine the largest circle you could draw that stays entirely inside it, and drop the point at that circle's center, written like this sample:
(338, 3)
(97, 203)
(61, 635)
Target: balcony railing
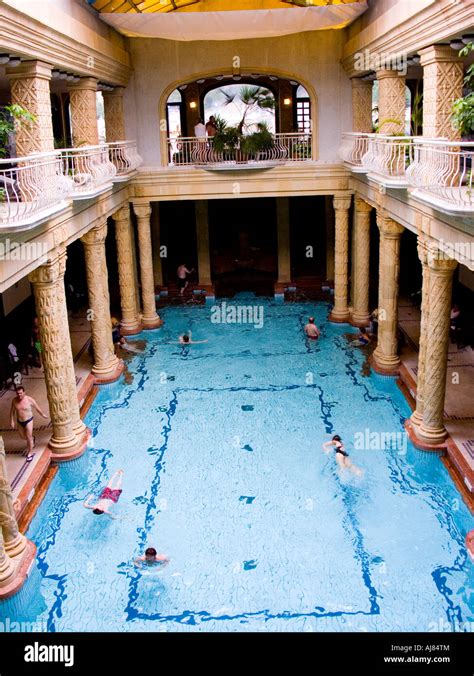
(90, 169)
(200, 152)
(125, 158)
(441, 173)
(438, 171)
(32, 188)
(353, 147)
(388, 157)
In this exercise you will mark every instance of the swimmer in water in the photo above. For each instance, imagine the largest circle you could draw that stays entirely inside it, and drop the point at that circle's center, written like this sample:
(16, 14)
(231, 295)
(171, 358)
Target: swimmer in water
(186, 339)
(108, 497)
(311, 329)
(151, 558)
(342, 457)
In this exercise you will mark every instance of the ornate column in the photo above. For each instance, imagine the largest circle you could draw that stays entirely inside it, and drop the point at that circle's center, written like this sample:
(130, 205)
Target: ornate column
(361, 105)
(7, 566)
(45, 280)
(14, 541)
(70, 372)
(113, 113)
(106, 366)
(392, 102)
(283, 235)
(84, 112)
(130, 323)
(442, 85)
(340, 311)
(432, 430)
(385, 356)
(361, 278)
(150, 319)
(417, 415)
(29, 84)
(202, 243)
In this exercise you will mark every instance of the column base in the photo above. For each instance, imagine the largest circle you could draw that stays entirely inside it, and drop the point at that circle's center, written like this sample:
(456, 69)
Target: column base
(19, 577)
(384, 369)
(339, 317)
(433, 437)
(360, 321)
(76, 453)
(130, 329)
(420, 443)
(110, 376)
(151, 323)
(416, 419)
(16, 547)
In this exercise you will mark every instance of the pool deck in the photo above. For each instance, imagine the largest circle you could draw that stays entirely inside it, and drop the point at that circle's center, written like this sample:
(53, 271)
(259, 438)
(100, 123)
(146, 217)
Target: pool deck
(30, 480)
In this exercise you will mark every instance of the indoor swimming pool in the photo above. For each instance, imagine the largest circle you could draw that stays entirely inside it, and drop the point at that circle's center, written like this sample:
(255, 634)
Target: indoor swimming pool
(224, 472)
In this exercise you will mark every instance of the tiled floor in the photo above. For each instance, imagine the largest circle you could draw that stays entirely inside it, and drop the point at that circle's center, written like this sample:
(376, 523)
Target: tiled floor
(459, 407)
(17, 467)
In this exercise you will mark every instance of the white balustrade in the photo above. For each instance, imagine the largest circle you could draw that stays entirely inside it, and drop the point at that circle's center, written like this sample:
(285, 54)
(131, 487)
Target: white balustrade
(90, 169)
(387, 158)
(294, 147)
(441, 173)
(352, 149)
(124, 157)
(31, 188)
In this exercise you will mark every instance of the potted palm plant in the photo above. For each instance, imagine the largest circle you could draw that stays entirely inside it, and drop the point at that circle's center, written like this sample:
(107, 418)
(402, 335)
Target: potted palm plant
(232, 141)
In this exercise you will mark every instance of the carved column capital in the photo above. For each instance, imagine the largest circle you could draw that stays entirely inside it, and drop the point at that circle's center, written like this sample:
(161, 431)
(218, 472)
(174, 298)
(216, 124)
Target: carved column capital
(388, 227)
(50, 272)
(361, 205)
(122, 215)
(96, 236)
(142, 210)
(422, 246)
(440, 264)
(342, 203)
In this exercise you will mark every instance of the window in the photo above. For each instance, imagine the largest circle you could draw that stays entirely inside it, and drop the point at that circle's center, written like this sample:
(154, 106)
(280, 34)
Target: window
(303, 110)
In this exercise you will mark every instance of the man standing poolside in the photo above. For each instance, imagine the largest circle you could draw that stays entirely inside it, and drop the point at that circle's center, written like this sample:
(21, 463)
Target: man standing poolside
(182, 273)
(21, 412)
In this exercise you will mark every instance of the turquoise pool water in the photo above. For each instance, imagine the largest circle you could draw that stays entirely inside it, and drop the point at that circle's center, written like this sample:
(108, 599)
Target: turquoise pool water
(224, 472)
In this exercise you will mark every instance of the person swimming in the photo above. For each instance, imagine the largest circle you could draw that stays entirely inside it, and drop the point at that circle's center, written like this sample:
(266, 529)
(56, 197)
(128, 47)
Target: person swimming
(109, 496)
(186, 339)
(151, 558)
(342, 457)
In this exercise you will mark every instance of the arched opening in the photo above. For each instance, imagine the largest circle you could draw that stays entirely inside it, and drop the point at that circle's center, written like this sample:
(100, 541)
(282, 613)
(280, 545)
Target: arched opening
(288, 116)
(303, 110)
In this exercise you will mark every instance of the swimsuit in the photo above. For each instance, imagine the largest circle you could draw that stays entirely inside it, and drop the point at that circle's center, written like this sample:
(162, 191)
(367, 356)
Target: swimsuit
(181, 282)
(24, 423)
(339, 450)
(110, 494)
